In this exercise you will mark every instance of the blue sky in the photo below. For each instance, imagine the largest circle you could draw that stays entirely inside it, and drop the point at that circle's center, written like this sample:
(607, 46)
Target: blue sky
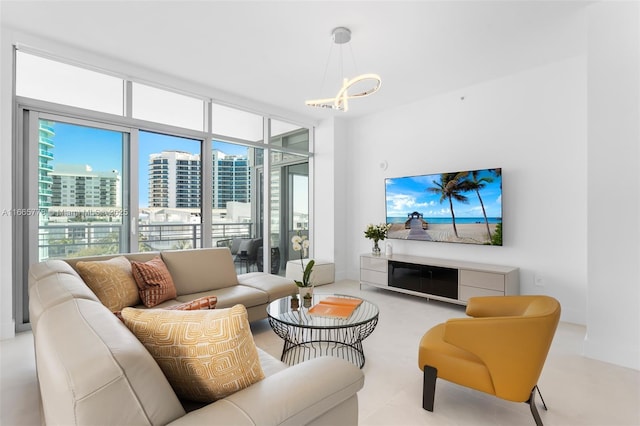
(102, 150)
(405, 195)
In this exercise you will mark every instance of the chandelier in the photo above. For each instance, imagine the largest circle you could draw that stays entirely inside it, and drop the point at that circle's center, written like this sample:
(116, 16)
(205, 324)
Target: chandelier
(354, 88)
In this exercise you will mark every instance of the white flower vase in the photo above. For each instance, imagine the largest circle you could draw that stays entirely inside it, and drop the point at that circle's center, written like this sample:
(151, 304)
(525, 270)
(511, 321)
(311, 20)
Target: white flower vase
(376, 249)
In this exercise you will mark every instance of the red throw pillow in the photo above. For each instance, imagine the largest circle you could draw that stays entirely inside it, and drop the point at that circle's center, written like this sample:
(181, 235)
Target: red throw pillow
(207, 302)
(154, 281)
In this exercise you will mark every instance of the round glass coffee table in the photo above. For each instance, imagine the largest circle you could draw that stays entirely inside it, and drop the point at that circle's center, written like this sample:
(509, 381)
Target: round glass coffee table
(308, 336)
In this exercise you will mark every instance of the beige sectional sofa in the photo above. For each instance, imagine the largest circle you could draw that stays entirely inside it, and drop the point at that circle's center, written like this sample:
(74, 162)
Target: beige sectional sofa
(93, 370)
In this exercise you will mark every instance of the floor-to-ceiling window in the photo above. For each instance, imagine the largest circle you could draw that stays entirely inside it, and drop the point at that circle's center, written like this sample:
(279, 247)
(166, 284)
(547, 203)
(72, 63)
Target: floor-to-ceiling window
(109, 165)
(169, 192)
(80, 171)
(289, 186)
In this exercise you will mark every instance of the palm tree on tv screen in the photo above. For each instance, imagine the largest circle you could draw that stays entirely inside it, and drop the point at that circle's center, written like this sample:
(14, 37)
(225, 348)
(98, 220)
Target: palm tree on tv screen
(476, 185)
(451, 187)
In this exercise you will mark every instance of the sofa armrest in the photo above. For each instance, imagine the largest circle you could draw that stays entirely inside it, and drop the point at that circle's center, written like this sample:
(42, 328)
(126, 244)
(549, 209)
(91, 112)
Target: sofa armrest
(294, 396)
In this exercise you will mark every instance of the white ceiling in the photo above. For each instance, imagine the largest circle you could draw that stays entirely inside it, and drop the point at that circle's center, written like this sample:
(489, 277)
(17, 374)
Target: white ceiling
(276, 52)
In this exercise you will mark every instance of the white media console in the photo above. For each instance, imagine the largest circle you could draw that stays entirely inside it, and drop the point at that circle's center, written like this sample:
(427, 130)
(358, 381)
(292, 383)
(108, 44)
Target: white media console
(440, 279)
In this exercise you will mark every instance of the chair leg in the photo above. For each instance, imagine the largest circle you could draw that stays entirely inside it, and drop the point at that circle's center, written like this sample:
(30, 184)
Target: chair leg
(532, 405)
(541, 398)
(429, 387)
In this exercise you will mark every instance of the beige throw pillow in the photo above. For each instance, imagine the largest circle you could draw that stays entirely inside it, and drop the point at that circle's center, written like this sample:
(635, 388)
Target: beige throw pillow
(154, 281)
(206, 355)
(112, 282)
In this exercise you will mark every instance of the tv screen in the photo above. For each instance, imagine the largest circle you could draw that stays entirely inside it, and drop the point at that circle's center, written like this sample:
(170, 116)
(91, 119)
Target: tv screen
(459, 207)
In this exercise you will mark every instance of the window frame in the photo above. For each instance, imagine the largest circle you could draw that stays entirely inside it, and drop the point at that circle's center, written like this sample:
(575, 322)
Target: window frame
(24, 193)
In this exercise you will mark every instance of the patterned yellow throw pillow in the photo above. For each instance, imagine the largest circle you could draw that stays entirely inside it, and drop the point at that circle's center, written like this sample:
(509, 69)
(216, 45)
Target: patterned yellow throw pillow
(206, 355)
(111, 281)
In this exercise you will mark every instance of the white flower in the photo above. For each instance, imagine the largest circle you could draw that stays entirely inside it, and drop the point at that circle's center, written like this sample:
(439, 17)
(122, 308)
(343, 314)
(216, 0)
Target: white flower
(301, 243)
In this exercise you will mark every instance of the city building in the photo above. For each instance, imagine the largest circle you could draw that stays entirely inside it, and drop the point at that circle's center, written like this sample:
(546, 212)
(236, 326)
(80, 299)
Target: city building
(46, 134)
(78, 185)
(174, 179)
(231, 179)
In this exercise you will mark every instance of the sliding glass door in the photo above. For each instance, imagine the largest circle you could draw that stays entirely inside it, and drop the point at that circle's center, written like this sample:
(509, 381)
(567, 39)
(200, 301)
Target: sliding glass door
(82, 201)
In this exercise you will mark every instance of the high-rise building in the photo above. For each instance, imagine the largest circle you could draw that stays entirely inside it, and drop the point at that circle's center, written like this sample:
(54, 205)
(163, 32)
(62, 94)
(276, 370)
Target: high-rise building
(45, 155)
(77, 185)
(175, 179)
(231, 179)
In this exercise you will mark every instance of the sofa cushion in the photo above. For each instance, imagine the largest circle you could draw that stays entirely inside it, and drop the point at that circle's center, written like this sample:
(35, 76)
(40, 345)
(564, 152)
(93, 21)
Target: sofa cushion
(205, 355)
(154, 281)
(274, 285)
(198, 270)
(111, 281)
(51, 289)
(92, 369)
(228, 297)
(38, 271)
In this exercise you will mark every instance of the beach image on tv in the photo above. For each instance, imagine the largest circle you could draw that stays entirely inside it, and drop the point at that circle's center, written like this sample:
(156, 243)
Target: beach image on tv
(459, 207)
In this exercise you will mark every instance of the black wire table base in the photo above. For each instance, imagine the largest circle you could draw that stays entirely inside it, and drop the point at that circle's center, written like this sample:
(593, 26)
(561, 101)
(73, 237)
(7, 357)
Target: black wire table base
(301, 344)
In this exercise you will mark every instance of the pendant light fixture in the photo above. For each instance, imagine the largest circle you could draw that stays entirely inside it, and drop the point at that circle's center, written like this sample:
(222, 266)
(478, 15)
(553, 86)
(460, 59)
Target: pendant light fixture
(356, 87)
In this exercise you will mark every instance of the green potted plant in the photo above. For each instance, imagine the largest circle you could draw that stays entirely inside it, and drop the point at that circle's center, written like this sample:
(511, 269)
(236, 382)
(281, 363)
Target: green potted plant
(300, 243)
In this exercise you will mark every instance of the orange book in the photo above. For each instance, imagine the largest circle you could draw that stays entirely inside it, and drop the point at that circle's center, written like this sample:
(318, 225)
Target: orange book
(343, 301)
(331, 311)
(335, 307)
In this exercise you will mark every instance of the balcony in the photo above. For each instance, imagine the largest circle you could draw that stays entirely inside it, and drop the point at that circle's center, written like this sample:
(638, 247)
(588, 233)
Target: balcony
(46, 154)
(62, 240)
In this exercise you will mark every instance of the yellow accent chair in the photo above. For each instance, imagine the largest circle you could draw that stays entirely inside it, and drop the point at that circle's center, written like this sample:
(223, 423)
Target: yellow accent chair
(500, 350)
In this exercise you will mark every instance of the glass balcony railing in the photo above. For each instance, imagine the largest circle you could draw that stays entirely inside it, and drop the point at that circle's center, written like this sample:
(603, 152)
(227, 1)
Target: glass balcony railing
(47, 141)
(46, 154)
(47, 129)
(62, 240)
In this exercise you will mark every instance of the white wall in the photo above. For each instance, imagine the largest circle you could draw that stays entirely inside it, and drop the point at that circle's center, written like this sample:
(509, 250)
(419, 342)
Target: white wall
(324, 176)
(613, 70)
(533, 126)
(567, 136)
(330, 192)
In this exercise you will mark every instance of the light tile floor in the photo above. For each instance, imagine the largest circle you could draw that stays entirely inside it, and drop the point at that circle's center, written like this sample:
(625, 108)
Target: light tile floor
(578, 391)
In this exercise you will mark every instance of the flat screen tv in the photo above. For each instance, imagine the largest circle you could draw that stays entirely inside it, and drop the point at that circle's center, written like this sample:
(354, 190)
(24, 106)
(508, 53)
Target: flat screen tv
(458, 207)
